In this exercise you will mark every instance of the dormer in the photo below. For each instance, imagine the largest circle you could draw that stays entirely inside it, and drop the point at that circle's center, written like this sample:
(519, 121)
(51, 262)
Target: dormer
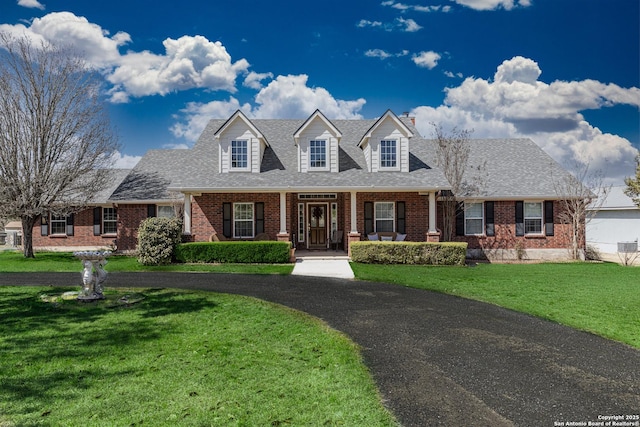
(317, 141)
(241, 145)
(386, 145)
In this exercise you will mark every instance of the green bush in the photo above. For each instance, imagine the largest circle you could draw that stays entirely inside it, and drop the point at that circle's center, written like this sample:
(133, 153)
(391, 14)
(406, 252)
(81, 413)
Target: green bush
(157, 239)
(268, 252)
(443, 253)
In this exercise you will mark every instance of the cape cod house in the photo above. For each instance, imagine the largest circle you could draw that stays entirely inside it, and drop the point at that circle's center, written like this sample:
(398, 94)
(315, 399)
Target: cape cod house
(318, 182)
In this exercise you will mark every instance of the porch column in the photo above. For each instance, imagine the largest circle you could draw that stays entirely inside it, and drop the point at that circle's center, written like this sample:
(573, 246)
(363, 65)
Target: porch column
(187, 214)
(283, 235)
(283, 212)
(433, 235)
(354, 236)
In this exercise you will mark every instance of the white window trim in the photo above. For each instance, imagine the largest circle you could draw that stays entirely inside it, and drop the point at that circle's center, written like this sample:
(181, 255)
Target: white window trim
(235, 168)
(525, 217)
(253, 220)
(327, 160)
(115, 221)
(375, 216)
(481, 217)
(51, 221)
(302, 225)
(389, 168)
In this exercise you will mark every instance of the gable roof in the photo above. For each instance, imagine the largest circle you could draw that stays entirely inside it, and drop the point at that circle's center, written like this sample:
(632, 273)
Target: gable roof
(316, 115)
(388, 114)
(239, 115)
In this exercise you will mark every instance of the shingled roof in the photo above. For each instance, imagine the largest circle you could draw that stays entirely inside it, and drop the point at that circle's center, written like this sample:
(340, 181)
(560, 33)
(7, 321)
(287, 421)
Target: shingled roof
(499, 168)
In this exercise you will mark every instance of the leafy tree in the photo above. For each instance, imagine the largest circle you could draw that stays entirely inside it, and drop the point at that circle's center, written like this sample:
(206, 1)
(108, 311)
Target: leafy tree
(633, 184)
(55, 136)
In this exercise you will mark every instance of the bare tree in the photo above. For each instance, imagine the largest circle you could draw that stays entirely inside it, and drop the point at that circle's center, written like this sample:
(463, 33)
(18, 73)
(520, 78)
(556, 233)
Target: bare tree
(452, 151)
(581, 194)
(633, 184)
(55, 134)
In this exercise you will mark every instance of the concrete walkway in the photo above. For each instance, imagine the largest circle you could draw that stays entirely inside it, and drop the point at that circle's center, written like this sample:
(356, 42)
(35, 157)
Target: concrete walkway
(323, 264)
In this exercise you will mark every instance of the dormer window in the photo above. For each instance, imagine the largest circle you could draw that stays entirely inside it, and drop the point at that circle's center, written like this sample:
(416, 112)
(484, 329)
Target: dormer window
(388, 154)
(318, 154)
(239, 155)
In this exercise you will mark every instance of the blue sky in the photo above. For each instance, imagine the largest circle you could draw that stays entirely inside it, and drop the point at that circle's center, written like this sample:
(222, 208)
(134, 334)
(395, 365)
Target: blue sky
(565, 73)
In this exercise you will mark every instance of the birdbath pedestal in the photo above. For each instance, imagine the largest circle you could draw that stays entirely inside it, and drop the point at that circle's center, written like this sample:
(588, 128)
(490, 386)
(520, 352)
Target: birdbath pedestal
(93, 275)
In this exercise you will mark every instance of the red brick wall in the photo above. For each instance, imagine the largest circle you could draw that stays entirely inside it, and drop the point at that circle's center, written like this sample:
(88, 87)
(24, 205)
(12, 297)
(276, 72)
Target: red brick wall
(416, 212)
(206, 213)
(82, 234)
(505, 231)
(129, 219)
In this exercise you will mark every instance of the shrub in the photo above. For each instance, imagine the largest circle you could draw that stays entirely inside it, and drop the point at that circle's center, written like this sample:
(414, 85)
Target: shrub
(157, 239)
(444, 253)
(268, 252)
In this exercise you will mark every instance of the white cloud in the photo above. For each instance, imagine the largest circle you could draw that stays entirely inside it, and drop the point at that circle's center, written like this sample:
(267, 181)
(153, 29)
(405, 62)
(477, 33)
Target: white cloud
(453, 75)
(382, 54)
(290, 97)
(517, 104)
(33, 4)
(408, 25)
(188, 62)
(254, 80)
(401, 24)
(418, 8)
(124, 161)
(286, 97)
(192, 119)
(493, 4)
(426, 59)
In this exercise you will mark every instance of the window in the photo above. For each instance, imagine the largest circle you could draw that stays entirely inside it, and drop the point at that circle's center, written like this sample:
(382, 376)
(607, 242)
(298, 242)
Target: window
(533, 218)
(384, 216)
(388, 153)
(109, 221)
(318, 154)
(239, 154)
(166, 211)
(243, 220)
(58, 224)
(473, 219)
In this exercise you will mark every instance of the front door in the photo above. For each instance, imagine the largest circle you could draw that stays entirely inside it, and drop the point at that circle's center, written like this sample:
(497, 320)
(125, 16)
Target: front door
(317, 226)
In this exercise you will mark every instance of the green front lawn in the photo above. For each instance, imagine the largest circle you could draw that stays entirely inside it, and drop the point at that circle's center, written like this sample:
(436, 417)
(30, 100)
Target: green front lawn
(595, 297)
(15, 262)
(176, 358)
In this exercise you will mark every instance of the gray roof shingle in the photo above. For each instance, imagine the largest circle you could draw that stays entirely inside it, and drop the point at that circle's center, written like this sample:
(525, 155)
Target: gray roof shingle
(513, 168)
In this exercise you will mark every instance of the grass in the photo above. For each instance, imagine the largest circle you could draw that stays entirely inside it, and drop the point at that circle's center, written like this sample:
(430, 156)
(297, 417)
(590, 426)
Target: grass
(15, 262)
(600, 298)
(175, 358)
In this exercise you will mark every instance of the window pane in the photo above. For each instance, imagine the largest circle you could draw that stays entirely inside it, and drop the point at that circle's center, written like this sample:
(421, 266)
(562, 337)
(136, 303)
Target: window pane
(109, 221)
(473, 226)
(532, 226)
(58, 224)
(317, 154)
(243, 219)
(388, 153)
(166, 212)
(533, 210)
(384, 216)
(473, 210)
(239, 155)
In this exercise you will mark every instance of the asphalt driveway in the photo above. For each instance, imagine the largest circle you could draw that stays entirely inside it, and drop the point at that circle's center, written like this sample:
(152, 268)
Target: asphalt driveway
(439, 359)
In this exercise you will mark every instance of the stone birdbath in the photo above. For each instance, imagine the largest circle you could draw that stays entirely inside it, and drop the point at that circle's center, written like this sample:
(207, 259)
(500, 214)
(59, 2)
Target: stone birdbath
(93, 275)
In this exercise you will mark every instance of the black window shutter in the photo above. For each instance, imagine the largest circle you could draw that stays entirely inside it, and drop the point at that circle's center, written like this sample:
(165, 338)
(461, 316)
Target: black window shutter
(226, 219)
(548, 218)
(259, 206)
(519, 218)
(401, 224)
(44, 224)
(489, 219)
(459, 219)
(97, 221)
(368, 217)
(151, 211)
(70, 224)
